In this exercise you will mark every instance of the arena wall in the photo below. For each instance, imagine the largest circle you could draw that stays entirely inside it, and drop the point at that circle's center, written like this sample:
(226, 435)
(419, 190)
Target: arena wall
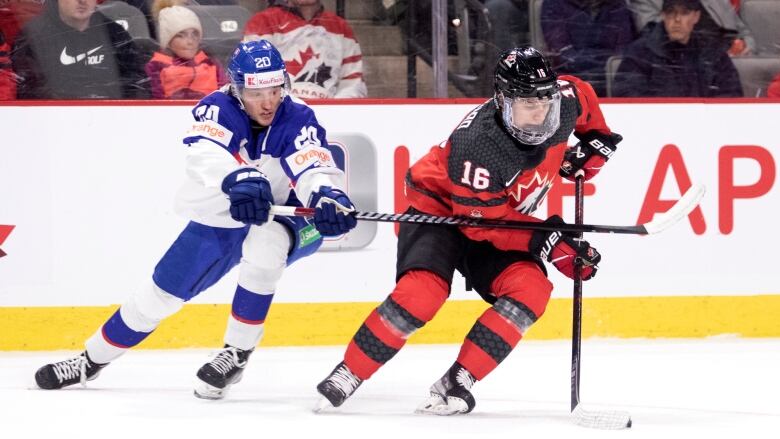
(86, 195)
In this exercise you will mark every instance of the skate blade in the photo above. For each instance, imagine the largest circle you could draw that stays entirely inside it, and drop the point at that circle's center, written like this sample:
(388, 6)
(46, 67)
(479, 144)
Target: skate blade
(438, 406)
(431, 405)
(207, 391)
(323, 406)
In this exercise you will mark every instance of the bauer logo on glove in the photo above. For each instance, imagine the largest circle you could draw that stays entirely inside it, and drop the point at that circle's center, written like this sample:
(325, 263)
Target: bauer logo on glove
(589, 154)
(565, 251)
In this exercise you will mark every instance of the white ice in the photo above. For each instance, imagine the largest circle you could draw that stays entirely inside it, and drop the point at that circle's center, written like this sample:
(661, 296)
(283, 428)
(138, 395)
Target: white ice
(717, 387)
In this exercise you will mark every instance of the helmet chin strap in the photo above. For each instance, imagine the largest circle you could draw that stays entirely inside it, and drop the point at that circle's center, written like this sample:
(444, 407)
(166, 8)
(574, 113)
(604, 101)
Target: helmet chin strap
(237, 94)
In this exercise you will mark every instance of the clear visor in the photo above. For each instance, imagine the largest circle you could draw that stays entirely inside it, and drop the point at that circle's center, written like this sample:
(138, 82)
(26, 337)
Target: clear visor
(260, 85)
(532, 120)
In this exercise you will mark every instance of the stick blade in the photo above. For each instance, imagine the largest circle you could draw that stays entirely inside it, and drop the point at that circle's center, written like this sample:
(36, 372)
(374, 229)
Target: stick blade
(601, 419)
(680, 210)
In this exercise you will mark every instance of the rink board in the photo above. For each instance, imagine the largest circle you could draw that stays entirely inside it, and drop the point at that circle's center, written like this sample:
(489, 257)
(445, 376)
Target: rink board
(89, 192)
(309, 324)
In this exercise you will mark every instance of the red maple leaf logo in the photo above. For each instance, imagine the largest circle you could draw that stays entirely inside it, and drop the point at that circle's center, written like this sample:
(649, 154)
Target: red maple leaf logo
(294, 66)
(4, 232)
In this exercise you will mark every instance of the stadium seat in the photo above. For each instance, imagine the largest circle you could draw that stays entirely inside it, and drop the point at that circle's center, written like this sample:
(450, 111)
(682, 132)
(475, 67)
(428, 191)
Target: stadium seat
(133, 21)
(535, 25)
(127, 16)
(223, 28)
(613, 63)
(755, 73)
(762, 17)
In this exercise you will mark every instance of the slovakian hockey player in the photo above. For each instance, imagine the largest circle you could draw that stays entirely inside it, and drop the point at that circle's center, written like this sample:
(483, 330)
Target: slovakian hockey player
(249, 144)
(499, 163)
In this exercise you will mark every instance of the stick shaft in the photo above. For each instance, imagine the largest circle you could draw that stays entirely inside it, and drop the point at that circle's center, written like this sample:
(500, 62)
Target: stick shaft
(660, 222)
(468, 222)
(576, 319)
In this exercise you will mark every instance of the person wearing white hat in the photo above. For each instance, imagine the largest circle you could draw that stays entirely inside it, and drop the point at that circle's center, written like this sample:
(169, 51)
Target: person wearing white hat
(181, 70)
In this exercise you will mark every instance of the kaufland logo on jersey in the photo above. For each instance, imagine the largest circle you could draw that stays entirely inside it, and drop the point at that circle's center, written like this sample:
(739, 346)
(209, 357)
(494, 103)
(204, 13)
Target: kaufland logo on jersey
(264, 79)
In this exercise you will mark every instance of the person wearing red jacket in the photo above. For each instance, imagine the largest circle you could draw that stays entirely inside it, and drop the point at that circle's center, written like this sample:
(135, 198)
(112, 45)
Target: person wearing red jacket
(7, 77)
(180, 69)
(773, 91)
(499, 163)
(322, 55)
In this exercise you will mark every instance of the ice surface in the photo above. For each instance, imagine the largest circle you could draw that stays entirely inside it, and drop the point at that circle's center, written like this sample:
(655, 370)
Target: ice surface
(720, 387)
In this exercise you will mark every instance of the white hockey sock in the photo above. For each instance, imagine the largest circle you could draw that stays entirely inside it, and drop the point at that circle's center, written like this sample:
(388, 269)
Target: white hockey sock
(100, 350)
(243, 335)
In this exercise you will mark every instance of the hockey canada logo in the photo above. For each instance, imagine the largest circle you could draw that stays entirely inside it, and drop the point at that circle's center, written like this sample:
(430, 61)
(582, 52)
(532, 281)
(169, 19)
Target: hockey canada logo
(5, 230)
(529, 194)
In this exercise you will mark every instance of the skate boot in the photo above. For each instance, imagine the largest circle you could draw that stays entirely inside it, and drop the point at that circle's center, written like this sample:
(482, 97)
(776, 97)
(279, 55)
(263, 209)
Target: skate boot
(224, 370)
(68, 372)
(337, 387)
(451, 395)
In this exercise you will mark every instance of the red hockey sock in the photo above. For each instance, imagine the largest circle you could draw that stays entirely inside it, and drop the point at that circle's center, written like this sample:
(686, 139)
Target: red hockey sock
(417, 297)
(523, 292)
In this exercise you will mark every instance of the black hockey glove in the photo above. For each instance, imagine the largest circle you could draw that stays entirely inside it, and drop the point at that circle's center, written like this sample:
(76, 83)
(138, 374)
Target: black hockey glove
(589, 154)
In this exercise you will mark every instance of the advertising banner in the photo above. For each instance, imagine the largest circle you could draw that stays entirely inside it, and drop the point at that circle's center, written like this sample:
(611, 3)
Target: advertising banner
(86, 200)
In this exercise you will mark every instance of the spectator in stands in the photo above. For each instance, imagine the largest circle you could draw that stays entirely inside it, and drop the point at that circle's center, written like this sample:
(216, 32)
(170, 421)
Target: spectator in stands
(670, 60)
(181, 70)
(71, 52)
(719, 22)
(14, 14)
(582, 34)
(509, 19)
(159, 5)
(7, 77)
(773, 91)
(323, 57)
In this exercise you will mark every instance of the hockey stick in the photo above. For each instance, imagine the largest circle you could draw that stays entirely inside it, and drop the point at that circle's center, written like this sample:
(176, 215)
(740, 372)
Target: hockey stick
(610, 420)
(660, 222)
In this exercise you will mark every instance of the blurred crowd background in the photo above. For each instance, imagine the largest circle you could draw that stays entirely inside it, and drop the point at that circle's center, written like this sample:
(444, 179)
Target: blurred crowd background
(177, 49)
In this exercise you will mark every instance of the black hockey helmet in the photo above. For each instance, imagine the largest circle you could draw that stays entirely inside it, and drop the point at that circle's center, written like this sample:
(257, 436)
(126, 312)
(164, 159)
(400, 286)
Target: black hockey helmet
(527, 95)
(524, 72)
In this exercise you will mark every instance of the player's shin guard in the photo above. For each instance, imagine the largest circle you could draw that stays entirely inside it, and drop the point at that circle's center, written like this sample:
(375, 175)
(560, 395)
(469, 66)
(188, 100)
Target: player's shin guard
(523, 292)
(244, 331)
(132, 323)
(417, 297)
(247, 318)
(489, 341)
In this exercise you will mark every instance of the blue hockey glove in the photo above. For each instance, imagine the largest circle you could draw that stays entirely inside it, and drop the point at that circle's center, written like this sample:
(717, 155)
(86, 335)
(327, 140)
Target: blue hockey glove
(250, 195)
(333, 212)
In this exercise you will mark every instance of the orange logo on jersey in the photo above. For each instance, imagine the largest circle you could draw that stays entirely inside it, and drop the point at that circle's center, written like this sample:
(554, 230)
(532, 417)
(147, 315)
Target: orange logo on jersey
(210, 130)
(322, 155)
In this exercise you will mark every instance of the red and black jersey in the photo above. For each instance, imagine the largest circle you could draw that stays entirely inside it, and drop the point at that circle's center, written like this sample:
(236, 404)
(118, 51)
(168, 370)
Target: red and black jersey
(482, 171)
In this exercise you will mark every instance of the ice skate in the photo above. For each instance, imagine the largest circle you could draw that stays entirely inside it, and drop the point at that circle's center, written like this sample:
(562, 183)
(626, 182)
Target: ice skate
(224, 370)
(451, 395)
(68, 372)
(336, 388)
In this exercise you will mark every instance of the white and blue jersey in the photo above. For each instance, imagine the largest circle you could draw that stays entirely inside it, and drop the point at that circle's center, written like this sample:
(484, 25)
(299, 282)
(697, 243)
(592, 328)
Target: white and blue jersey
(292, 152)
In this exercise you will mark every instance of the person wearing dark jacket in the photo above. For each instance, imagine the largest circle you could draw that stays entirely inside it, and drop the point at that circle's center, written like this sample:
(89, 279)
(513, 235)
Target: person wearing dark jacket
(670, 60)
(583, 34)
(73, 52)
